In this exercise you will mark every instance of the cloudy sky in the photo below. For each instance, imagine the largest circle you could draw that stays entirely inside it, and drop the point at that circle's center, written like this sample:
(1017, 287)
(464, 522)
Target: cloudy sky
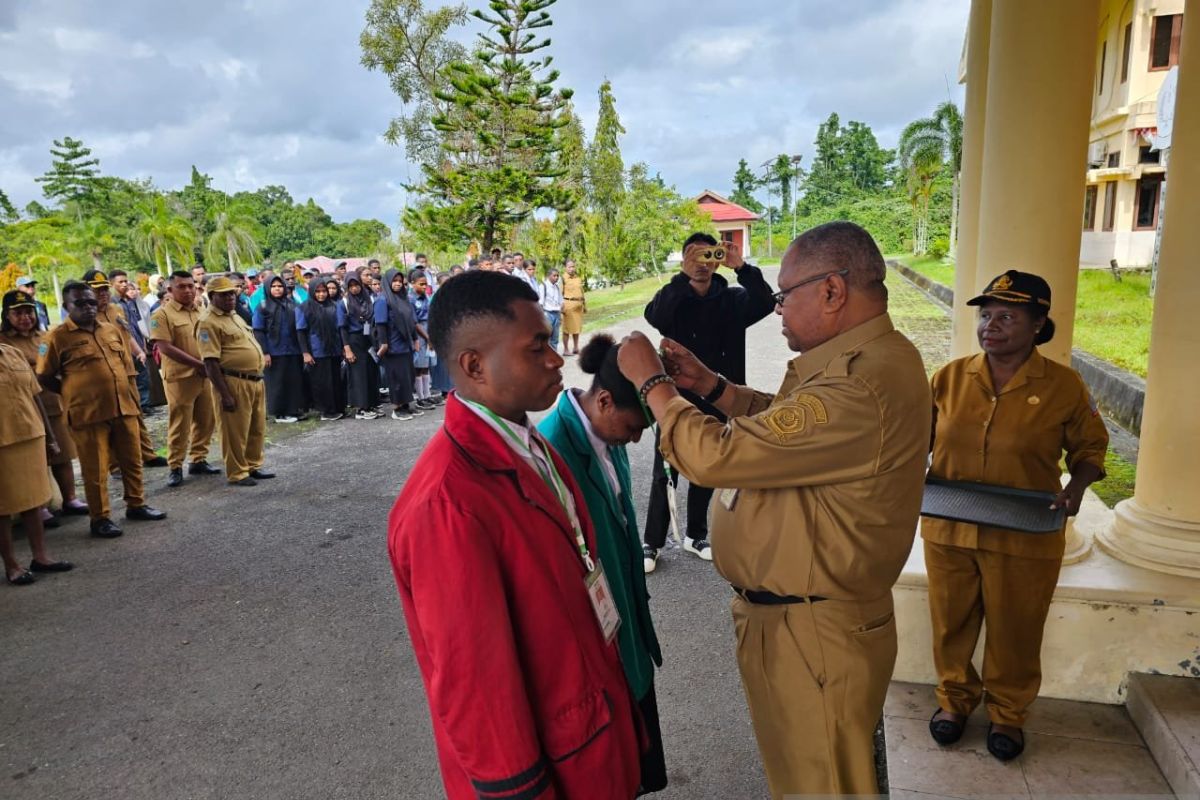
(256, 92)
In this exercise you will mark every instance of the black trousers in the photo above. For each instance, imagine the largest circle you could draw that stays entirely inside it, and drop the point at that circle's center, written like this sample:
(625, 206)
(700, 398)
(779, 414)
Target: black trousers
(325, 377)
(285, 386)
(654, 760)
(362, 382)
(400, 374)
(658, 515)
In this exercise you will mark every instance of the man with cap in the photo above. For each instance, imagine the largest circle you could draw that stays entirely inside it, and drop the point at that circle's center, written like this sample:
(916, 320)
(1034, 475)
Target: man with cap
(109, 312)
(185, 381)
(339, 270)
(87, 361)
(234, 363)
(28, 285)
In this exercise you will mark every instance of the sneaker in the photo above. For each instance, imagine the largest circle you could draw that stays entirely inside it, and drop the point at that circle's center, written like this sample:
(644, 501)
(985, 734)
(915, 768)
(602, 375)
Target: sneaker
(401, 415)
(698, 547)
(330, 417)
(439, 400)
(411, 408)
(286, 420)
(368, 414)
(649, 558)
(426, 404)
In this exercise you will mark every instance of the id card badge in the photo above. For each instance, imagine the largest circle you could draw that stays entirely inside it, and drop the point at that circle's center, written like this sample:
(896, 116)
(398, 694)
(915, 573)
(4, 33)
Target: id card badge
(728, 498)
(603, 604)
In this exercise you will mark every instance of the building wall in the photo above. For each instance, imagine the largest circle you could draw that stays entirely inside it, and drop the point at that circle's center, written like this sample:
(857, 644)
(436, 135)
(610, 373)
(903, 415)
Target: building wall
(1119, 109)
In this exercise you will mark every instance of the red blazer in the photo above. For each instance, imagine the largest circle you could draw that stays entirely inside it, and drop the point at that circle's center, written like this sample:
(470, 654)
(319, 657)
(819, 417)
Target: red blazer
(527, 699)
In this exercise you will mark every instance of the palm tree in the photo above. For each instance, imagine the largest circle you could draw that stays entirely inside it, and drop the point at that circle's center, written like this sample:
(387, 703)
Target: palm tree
(92, 237)
(921, 175)
(160, 233)
(936, 139)
(233, 236)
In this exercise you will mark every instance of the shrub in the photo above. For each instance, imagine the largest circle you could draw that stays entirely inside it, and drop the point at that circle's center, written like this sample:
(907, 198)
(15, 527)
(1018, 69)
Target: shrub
(939, 247)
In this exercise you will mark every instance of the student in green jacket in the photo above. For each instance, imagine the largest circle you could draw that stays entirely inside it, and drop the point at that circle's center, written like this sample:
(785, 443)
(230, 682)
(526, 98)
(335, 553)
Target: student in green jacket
(590, 430)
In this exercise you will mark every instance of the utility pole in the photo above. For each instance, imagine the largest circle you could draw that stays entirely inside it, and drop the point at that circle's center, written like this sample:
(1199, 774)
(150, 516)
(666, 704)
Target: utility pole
(768, 181)
(795, 162)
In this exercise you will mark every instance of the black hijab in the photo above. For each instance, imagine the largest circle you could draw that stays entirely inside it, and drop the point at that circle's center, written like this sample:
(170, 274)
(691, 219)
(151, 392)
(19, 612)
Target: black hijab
(278, 311)
(401, 310)
(322, 319)
(358, 306)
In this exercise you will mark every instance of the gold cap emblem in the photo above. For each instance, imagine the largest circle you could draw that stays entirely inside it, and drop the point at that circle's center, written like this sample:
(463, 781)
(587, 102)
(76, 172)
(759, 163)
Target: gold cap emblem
(1002, 283)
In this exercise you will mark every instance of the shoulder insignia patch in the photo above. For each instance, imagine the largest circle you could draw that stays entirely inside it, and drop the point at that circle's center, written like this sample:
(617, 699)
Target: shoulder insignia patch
(154, 322)
(43, 348)
(203, 335)
(795, 416)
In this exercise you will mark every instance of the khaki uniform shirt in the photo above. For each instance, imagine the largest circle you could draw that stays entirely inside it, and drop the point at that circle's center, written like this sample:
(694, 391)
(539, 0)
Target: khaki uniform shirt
(28, 347)
(20, 419)
(113, 315)
(572, 288)
(228, 338)
(176, 324)
(1015, 437)
(818, 486)
(94, 367)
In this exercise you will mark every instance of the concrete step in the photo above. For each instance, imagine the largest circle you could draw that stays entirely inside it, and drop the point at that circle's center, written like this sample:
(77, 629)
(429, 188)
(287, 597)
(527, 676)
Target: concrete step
(1166, 710)
(1071, 748)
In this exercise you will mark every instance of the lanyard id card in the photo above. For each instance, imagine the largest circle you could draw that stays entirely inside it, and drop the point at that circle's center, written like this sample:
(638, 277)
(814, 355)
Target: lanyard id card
(603, 604)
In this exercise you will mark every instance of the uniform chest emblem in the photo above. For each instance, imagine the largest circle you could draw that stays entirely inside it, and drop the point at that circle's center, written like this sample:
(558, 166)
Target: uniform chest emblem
(153, 322)
(1033, 400)
(43, 348)
(795, 416)
(203, 336)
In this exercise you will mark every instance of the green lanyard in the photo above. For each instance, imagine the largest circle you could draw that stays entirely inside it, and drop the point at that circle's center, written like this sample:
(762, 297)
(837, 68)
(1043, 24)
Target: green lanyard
(548, 472)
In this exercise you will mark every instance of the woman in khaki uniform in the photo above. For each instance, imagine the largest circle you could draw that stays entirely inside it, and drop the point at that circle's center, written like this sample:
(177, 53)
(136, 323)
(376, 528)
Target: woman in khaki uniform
(574, 307)
(18, 328)
(1003, 417)
(23, 448)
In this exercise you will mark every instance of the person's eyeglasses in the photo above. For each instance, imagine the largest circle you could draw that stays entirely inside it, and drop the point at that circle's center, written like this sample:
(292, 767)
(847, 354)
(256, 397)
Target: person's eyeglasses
(782, 293)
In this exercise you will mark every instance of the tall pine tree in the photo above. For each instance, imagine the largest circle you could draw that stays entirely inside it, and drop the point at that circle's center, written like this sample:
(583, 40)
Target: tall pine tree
(72, 175)
(744, 183)
(606, 185)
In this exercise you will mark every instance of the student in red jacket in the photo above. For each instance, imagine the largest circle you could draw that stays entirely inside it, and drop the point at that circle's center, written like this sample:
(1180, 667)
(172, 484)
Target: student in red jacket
(506, 602)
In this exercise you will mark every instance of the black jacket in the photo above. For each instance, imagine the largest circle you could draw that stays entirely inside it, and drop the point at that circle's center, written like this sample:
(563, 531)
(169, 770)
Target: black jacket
(713, 326)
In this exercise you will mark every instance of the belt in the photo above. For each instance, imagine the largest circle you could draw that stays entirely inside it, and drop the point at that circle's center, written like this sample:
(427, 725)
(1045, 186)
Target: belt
(246, 376)
(772, 599)
(577, 299)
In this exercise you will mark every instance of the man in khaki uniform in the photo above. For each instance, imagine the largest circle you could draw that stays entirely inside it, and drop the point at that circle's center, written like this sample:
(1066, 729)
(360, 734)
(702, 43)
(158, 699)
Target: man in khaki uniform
(87, 361)
(819, 491)
(191, 415)
(112, 314)
(234, 363)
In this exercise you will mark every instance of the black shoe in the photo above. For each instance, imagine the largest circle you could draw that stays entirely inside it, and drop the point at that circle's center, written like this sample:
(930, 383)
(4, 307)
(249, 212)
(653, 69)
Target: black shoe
(145, 514)
(51, 521)
(80, 509)
(202, 468)
(106, 529)
(157, 461)
(945, 731)
(175, 478)
(1003, 746)
(24, 579)
(53, 566)
(247, 481)
(261, 474)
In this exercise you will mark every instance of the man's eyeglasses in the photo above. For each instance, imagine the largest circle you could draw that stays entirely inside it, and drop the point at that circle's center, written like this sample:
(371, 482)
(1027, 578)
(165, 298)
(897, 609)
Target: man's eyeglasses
(782, 293)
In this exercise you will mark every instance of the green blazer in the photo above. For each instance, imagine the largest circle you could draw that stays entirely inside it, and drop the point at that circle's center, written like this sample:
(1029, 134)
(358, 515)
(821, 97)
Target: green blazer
(617, 539)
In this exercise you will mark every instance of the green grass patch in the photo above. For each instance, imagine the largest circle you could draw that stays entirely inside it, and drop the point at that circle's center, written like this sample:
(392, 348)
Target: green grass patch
(933, 268)
(1117, 484)
(617, 303)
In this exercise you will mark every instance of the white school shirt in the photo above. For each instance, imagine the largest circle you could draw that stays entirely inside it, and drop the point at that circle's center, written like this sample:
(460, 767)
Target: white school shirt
(552, 296)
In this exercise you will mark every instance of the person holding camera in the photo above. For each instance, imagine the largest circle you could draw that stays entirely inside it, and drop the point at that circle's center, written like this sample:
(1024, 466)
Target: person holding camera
(700, 310)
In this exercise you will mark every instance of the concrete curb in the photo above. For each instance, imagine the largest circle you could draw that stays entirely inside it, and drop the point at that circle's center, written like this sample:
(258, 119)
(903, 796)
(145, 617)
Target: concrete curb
(1119, 393)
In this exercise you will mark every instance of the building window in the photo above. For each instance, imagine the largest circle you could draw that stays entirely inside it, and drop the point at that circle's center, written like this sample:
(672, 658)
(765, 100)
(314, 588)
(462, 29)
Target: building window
(1164, 41)
(1145, 214)
(1114, 160)
(1148, 156)
(727, 237)
(1110, 205)
(1125, 52)
(1089, 207)
(1103, 59)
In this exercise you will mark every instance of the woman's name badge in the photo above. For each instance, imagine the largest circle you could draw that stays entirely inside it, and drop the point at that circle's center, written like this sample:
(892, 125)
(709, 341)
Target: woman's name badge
(728, 498)
(603, 604)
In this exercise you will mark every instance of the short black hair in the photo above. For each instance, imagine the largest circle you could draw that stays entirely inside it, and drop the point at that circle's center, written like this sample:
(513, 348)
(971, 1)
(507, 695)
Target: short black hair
(470, 296)
(180, 274)
(844, 245)
(599, 359)
(419, 255)
(373, 261)
(74, 286)
(118, 273)
(707, 238)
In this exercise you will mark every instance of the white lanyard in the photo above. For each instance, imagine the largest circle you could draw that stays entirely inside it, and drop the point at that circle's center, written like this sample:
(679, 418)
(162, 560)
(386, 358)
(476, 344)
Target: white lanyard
(547, 470)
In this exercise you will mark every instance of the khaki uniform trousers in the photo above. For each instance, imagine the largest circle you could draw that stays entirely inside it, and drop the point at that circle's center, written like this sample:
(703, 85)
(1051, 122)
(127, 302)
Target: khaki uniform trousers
(1016, 593)
(243, 430)
(816, 676)
(145, 442)
(102, 444)
(191, 419)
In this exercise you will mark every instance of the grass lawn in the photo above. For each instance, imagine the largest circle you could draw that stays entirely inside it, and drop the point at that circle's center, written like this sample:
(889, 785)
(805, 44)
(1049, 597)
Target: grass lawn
(616, 303)
(1118, 481)
(1112, 320)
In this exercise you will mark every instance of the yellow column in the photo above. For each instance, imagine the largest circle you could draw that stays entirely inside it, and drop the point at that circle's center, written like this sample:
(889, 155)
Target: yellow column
(962, 338)
(1041, 62)
(1160, 527)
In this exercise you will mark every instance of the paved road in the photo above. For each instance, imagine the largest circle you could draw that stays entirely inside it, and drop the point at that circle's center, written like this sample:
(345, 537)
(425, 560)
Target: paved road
(252, 645)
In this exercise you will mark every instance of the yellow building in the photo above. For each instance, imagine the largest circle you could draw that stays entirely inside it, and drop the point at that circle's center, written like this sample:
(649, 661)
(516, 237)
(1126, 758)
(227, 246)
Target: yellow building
(1137, 44)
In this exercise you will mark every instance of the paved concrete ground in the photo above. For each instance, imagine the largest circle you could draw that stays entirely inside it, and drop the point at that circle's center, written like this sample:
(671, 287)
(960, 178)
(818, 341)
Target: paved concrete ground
(252, 645)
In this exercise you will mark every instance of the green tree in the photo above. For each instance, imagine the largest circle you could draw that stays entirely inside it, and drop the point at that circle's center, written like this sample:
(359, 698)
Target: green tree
(848, 164)
(744, 184)
(569, 224)
(936, 139)
(92, 236)
(161, 234)
(8, 212)
(199, 201)
(500, 132)
(72, 175)
(605, 177)
(234, 237)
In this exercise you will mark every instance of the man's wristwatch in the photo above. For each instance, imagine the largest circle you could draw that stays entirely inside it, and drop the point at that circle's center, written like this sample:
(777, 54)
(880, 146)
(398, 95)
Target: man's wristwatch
(717, 391)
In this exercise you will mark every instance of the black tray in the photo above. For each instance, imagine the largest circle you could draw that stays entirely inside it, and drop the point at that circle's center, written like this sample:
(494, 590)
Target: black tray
(995, 506)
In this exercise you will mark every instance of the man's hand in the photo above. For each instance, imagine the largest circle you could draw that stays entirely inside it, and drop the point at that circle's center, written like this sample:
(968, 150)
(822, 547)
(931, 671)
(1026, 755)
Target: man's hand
(140, 355)
(52, 448)
(266, 362)
(381, 351)
(637, 359)
(309, 361)
(348, 354)
(228, 404)
(682, 365)
(733, 256)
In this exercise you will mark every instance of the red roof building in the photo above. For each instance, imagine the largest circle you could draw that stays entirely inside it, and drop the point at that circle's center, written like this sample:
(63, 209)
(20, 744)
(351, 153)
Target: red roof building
(731, 220)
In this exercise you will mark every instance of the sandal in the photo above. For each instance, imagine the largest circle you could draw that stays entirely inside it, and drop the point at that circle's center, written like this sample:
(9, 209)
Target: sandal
(945, 731)
(24, 579)
(1003, 746)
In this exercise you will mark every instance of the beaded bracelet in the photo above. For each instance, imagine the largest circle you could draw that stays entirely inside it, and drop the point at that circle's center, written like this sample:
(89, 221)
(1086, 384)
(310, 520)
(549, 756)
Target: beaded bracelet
(652, 382)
